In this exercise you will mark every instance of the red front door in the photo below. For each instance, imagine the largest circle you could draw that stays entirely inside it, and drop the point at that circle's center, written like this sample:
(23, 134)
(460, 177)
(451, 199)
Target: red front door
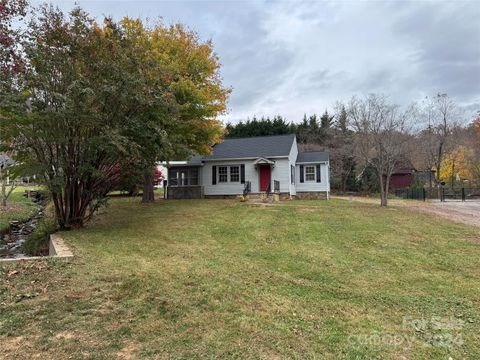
(264, 177)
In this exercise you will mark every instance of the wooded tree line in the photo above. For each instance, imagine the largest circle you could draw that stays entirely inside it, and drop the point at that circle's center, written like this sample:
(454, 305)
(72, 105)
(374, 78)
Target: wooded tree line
(83, 103)
(369, 137)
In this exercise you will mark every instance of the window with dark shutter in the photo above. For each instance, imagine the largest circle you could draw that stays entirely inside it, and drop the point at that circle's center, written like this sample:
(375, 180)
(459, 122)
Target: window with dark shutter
(234, 174)
(242, 173)
(292, 174)
(301, 174)
(318, 173)
(310, 173)
(214, 175)
(223, 174)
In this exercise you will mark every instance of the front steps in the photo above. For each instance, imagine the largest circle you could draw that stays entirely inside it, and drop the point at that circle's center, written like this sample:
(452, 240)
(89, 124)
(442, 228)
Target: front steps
(263, 197)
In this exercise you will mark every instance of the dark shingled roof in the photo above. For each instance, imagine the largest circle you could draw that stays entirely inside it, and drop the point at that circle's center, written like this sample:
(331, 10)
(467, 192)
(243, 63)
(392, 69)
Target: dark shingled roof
(312, 156)
(195, 160)
(253, 147)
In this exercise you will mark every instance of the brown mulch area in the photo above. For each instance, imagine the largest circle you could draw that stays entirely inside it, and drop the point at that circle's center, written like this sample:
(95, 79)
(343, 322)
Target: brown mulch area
(10, 207)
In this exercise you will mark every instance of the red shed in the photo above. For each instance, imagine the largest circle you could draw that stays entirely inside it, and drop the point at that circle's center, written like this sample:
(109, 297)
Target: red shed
(403, 175)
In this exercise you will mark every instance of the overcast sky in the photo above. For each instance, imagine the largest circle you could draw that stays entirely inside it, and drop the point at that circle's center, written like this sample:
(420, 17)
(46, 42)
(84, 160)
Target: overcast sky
(291, 58)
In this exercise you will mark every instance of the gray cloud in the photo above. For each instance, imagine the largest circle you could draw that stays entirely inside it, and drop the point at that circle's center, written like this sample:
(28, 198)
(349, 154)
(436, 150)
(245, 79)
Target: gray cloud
(447, 40)
(290, 58)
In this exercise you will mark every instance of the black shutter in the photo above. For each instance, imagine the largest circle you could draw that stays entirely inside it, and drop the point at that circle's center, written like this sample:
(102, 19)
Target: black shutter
(301, 173)
(214, 175)
(242, 174)
(318, 173)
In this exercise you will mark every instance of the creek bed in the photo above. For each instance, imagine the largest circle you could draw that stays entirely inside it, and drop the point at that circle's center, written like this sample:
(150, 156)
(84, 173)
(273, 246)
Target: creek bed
(11, 242)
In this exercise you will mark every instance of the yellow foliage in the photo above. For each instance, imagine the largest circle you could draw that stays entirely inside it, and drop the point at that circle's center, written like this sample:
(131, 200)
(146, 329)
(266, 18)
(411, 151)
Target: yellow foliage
(187, 70)
(476, 127)
(457, 163)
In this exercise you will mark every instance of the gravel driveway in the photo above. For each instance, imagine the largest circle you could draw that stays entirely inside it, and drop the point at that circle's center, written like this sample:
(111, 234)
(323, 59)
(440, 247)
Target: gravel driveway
(467, 212)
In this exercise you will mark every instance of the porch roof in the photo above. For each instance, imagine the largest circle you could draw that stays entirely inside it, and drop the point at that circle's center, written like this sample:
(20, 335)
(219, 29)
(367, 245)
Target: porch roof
(262, 161)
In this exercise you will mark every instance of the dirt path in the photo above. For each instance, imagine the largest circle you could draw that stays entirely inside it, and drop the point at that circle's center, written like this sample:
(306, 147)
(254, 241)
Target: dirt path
(467, 212)
(464, 212)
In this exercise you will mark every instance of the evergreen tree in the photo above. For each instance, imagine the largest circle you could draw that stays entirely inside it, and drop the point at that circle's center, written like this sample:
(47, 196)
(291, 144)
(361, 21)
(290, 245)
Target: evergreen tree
(260, 127)
(342, 120)
(326, 121)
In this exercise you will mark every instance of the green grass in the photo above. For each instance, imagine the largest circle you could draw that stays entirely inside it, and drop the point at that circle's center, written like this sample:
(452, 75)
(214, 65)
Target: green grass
(223, 279)
(158, 193)
(18, 208)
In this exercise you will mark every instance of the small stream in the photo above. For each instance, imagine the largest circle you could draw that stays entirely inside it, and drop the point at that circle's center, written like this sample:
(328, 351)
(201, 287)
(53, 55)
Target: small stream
(11, 242)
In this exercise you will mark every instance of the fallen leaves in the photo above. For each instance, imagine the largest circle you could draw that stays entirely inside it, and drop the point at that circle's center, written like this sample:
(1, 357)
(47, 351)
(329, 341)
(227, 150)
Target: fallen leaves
(12, 272)
(30, 295)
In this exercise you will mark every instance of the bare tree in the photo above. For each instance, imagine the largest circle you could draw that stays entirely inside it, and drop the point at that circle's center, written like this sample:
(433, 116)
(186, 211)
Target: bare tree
(441, 115)
(8, 184)
(381, 136)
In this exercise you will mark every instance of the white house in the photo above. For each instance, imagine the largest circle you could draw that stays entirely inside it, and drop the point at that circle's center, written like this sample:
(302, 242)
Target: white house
(255, 165)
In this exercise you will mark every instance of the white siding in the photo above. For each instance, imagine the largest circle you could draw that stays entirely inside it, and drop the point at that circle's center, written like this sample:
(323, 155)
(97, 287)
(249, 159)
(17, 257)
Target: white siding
(280, 172)
(324, 185)
(228, 188)
(292, 158)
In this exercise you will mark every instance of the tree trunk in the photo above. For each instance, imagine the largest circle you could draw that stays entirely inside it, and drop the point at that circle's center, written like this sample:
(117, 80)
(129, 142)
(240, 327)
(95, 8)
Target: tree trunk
(453, 173)
(4, 194)
(70, 208)
(344, 180)
(383, 196)
(387, 189)
(148, 194)
(439, 166)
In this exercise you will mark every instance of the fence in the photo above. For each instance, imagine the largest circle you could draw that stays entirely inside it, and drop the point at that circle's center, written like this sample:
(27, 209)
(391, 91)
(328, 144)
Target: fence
(442, 194)
(463, 194)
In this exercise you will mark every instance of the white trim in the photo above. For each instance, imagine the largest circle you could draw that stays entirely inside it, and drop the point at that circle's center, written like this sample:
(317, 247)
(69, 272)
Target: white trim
(312, 162)
(223, 174)
(314, 173)
(246, 158)
(263, 161)
(228, 174)
(183, 165)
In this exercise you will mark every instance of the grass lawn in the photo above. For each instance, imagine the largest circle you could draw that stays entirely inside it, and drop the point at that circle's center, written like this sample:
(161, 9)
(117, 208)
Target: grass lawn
(18, 208)
(223, 279)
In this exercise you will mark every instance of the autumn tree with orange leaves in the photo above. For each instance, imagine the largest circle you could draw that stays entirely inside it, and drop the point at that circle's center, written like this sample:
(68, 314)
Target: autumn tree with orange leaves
(91, 97)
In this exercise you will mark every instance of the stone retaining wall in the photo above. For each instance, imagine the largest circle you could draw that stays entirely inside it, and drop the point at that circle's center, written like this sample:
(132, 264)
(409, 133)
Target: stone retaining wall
(57, 250)
(312, 195)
